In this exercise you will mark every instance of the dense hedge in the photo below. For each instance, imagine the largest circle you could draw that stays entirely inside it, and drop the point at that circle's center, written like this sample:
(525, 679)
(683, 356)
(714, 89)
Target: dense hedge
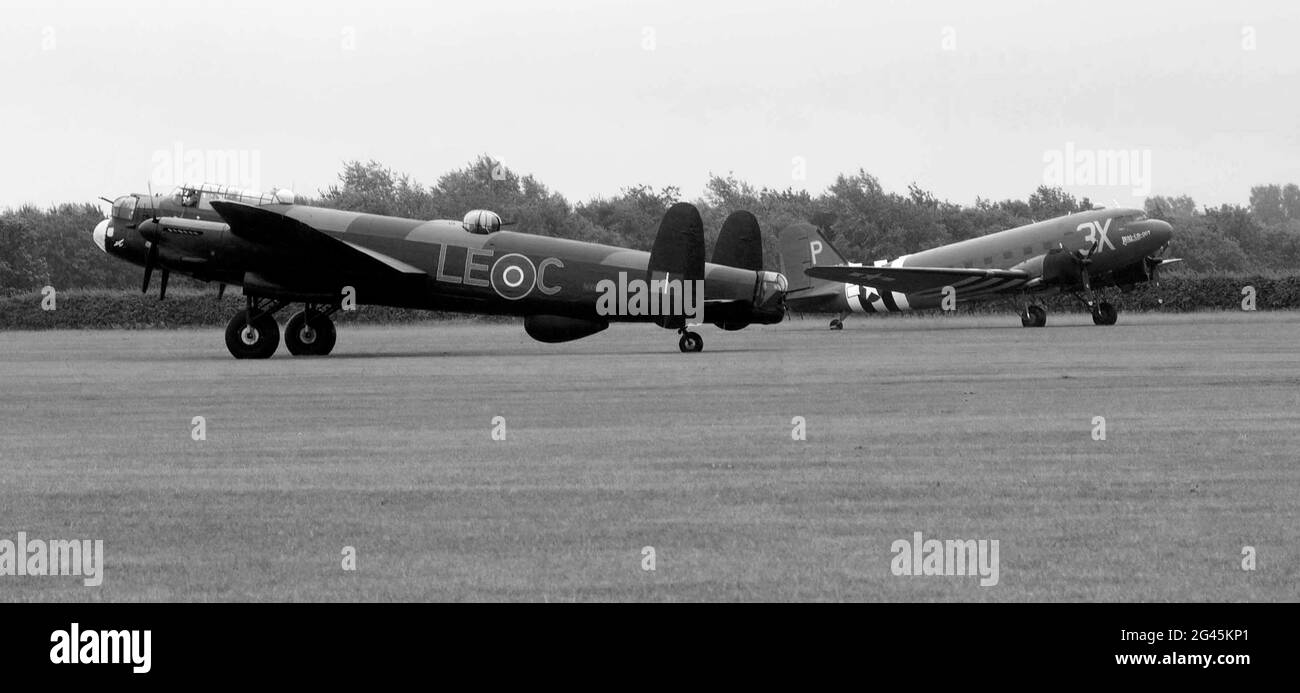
(126, 309)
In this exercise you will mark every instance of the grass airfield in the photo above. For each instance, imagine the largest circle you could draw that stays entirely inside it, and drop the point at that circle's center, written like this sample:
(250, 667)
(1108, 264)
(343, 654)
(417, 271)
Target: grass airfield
(960, 427)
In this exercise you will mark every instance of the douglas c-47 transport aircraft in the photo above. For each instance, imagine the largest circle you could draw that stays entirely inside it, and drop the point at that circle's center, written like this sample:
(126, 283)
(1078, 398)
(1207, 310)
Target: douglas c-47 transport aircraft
(1076, 254)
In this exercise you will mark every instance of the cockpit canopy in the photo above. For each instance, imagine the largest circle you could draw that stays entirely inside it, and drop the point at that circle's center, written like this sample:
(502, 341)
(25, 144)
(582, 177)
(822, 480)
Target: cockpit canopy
(124, 208)
(202, 195)
(482, 221)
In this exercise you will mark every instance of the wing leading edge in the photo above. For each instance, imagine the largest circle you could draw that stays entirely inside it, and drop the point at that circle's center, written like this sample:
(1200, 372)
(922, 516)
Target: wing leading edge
(271, 228)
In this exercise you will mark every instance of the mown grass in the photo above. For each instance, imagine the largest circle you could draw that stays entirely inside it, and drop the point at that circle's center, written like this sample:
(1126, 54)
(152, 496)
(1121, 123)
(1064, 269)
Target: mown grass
(958, 427)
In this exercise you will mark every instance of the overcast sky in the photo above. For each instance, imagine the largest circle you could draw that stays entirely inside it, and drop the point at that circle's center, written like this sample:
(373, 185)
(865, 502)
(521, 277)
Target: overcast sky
(965, 98)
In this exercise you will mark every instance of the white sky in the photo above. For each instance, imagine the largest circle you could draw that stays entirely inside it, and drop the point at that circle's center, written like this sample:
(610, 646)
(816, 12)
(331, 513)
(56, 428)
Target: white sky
(594, 96)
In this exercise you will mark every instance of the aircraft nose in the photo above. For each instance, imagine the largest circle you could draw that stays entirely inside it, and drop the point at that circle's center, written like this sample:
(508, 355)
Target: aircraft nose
(1162, 230)
(100, 233)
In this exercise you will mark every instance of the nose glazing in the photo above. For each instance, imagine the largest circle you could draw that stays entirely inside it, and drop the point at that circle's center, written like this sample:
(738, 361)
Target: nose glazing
(100, 234)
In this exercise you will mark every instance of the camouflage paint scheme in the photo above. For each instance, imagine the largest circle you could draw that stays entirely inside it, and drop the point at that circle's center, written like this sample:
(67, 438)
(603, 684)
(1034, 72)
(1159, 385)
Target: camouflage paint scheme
(301, 253)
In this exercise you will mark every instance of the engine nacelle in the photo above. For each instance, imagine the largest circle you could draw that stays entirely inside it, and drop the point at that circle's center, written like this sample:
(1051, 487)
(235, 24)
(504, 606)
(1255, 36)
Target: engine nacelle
(731, 324)
(1062, 268)
(553, 329)
(1135, 273)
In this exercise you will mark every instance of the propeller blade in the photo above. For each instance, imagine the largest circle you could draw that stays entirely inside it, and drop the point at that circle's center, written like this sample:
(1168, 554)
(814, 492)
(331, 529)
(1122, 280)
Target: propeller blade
(1153, 266)
(153, 204)
(221, 290)
(162, 284)
(149, 262)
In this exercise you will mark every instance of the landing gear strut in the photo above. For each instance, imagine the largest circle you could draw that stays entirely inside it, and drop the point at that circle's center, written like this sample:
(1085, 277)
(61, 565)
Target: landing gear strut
(310, 332)
(253, 333)
(690, 341)
(1103, 312)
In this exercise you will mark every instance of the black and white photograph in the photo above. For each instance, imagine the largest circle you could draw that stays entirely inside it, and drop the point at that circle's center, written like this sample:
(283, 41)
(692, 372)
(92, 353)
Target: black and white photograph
(895, 304)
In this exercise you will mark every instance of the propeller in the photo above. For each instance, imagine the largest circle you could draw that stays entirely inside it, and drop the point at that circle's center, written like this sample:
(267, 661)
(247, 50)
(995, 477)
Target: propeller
(153, 203)
(150, 260)
(1084, 261)
(152, 236)
(1153, 264)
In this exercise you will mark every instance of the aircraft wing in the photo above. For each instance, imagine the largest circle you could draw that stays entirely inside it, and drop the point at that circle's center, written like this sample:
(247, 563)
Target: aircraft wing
(915, 280)
(271, 228)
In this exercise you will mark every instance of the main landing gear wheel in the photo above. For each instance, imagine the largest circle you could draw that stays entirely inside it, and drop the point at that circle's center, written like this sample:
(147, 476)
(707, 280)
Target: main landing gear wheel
(314, 338)
(257, 339)
(1034, 316)
(1104, 314)
(690, 342)
(837, 324)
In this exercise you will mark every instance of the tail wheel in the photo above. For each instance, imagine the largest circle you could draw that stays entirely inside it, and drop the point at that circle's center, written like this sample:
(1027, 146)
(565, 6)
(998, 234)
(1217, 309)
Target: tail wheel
(1104, 314)
(837, 324)
(690, 342)
(256, 339)
(314, 338)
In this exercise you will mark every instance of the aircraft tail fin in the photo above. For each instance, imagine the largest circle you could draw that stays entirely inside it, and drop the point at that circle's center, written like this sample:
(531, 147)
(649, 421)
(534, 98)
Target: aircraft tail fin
(740, 243)
(678, 253)
(803, 246)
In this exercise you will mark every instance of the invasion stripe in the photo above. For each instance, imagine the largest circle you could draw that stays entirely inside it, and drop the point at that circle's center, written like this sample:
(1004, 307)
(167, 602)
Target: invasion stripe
(888, 298)
(862, 298)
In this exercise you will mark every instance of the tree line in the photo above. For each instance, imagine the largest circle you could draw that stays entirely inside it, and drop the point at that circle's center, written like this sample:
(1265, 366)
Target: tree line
(52, 246)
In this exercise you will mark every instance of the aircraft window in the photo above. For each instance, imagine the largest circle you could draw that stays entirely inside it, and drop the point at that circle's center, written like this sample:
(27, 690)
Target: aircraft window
(968, 264)
(1029, 250)
(988, 261)
(1047, 245)
(124, 208)
(1007, 255)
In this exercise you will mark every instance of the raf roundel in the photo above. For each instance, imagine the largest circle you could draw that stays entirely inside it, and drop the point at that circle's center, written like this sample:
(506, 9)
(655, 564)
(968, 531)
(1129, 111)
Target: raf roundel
(513, 276)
